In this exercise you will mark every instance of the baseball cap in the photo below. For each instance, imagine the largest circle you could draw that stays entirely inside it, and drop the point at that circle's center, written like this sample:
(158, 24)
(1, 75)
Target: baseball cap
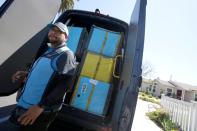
(62, 27)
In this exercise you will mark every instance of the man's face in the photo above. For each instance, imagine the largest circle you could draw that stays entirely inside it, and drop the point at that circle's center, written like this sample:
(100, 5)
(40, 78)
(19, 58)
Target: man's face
(56, 36)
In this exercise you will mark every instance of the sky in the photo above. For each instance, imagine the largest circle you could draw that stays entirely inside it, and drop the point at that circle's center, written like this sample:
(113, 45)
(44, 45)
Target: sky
(170, 38)
(1, 2)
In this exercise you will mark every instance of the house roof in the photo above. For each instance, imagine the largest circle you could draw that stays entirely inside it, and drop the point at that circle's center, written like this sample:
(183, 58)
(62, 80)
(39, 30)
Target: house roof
(164, 82)
(173, 84)
(183, 86)
(147, 81)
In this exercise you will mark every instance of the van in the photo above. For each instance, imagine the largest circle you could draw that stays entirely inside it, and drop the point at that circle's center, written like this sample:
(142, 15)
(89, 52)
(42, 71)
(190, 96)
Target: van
(104, 90)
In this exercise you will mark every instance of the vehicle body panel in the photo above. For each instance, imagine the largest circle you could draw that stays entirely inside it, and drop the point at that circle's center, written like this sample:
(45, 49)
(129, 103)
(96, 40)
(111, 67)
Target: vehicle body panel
(21, 34)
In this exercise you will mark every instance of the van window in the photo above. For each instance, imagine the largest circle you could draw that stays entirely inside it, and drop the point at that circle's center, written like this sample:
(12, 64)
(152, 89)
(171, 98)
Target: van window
(4, 4)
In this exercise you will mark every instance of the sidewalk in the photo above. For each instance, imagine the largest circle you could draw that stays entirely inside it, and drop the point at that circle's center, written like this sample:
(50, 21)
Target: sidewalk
(141, 122)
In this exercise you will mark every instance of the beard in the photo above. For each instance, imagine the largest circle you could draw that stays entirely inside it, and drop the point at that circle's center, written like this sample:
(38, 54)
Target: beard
(55, 40)
(54, 43)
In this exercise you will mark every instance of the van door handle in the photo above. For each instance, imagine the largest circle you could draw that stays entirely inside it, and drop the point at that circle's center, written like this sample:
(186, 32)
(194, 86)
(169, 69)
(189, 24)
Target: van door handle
(114, 74)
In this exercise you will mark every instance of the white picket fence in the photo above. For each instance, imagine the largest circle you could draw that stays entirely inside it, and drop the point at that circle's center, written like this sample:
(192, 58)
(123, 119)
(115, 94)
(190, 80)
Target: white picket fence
(184, 114)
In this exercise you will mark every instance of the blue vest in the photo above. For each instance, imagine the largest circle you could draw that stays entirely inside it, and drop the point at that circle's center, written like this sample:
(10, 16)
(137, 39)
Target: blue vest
(41, 73)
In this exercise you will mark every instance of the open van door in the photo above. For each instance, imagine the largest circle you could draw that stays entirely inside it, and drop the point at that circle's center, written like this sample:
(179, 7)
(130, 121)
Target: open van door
(135, 45)
(20, 60)
(22, 29)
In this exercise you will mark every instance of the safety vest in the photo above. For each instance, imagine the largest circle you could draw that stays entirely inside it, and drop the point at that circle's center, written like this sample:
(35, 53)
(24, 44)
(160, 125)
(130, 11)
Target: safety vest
(40, 75)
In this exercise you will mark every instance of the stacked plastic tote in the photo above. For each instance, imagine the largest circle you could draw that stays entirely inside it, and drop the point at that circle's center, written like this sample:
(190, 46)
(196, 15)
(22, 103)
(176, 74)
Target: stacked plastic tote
(93, 89)
(76, 38)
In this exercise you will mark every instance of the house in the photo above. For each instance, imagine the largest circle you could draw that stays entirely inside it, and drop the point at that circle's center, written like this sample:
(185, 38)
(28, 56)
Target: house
(170, 88)
(184, 91)
(146, 85)
(157, 87)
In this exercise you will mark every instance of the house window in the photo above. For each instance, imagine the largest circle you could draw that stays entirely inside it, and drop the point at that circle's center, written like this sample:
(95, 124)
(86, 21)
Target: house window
(154, 88)
(195, 97)
(150, 87)
(4, 4)
(169, 92)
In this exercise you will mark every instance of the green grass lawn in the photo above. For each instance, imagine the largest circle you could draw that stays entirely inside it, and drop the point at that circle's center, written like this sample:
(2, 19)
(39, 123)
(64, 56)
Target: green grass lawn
(149, 98)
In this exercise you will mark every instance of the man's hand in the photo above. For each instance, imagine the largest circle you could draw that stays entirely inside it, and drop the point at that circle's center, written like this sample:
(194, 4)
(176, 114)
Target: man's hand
(19, 75)
(31, 115)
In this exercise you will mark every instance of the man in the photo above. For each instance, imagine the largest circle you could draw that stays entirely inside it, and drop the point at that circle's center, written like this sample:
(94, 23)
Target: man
(46, 83)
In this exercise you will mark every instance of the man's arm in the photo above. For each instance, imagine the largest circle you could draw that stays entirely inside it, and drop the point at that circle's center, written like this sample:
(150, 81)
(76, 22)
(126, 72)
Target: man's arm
(30, 115)
(19, 76)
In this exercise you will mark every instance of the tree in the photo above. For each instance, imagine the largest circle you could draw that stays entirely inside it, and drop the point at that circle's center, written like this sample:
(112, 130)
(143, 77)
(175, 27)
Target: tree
(147, 70)
(66, 4)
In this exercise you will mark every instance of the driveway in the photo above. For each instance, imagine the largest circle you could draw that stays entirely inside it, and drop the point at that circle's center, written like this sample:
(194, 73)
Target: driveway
(141, 121)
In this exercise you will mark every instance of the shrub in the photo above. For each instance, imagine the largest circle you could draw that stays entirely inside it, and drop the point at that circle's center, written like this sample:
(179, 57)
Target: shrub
(162, 119)
(148, 98)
